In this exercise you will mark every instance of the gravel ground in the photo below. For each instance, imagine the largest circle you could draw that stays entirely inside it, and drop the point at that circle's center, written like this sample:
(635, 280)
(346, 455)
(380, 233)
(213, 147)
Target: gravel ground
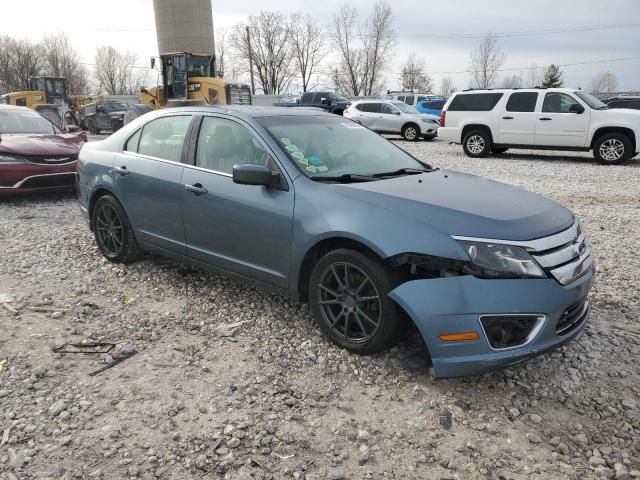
(231, 382)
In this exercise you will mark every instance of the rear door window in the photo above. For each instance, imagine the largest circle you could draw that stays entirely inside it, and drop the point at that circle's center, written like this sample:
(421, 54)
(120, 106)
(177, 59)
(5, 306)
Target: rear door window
(164, 137)
(522, 102)
(475, 102)
(409, 100)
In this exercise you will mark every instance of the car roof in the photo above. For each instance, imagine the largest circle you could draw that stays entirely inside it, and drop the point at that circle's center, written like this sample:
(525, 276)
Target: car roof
(506, 90)
(250, 111)
(15, 108)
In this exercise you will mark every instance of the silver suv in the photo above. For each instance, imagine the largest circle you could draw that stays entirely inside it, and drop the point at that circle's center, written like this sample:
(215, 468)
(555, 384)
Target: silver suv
(392, 116)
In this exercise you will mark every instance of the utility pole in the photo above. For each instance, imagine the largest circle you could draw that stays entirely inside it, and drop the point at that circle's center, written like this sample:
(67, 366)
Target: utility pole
(253, 86)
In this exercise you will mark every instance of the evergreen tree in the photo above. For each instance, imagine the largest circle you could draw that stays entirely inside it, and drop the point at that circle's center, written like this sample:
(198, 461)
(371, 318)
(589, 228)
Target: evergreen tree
(553, 77)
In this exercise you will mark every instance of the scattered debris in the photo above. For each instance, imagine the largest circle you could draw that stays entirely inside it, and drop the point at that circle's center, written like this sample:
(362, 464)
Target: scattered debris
(446, 419)
(230, 329)
(114, 363)
(2, 364)
(87, 348)
(128, 299)
(5, 436)
(49, 309)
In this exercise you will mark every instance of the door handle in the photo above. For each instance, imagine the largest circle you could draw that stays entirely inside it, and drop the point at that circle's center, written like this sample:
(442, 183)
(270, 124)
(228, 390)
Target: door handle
(507, 118)
(545, 119)
(196, 189)
(121, 170)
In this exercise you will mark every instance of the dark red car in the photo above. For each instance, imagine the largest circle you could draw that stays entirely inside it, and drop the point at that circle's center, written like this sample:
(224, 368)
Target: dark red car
(35, 155)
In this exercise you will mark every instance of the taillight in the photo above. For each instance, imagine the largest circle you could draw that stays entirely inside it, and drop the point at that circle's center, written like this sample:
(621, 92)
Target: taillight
(443, 117)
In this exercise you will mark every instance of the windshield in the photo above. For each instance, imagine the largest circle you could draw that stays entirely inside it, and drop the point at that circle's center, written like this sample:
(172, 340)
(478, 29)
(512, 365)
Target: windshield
(404, 108)
(24, 121)
(592, 101)
(115, 107)
(338, 98)
(198, 66)
(328, 147)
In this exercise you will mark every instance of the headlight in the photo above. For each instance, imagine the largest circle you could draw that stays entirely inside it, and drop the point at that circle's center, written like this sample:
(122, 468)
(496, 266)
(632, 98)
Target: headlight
(4, 159)
(428, 120)
(494, 260)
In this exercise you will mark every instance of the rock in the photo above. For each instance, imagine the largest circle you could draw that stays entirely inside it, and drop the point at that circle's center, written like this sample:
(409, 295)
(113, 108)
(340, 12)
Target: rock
(628, 404)
(56, 408)
(363, 436)
(596, 461)
(233, 443)
(364, 454)
(4, 393)
(515, 413)
(535, 418)
(335, 474)
(533, 438)
(16, 459)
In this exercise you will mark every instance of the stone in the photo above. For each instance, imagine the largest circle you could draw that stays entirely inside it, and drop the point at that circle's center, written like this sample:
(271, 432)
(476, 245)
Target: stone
(533, 438)
(56, 408)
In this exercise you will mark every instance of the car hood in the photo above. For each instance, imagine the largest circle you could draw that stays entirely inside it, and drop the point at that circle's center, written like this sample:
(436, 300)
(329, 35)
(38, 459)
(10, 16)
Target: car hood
(40, 144)
(465, 205)
(617, 114)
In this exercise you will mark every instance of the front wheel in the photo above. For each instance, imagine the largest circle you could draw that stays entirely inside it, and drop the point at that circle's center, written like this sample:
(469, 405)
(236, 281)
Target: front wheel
(411, 132)
(612, 149)
(477, 143)
(348, 293)
(112, 230)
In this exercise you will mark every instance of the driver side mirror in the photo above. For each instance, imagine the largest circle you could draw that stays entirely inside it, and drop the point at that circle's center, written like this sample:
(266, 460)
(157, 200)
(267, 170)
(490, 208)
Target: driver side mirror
(576, 108)
(396, 113)
(255, 174)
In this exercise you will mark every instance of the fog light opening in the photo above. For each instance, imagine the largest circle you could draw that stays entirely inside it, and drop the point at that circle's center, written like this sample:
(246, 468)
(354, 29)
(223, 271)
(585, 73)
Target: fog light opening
(511, 330)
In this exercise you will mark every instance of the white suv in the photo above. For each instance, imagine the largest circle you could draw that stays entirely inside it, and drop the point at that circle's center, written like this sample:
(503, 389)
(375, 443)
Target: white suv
(389, 116)
(485, 121)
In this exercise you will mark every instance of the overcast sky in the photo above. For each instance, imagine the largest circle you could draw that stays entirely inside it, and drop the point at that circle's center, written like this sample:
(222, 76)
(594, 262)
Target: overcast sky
(560, 31)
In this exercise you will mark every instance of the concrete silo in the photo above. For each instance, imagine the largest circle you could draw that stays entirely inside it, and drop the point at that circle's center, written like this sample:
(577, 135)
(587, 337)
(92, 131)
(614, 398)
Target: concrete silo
(184, 26)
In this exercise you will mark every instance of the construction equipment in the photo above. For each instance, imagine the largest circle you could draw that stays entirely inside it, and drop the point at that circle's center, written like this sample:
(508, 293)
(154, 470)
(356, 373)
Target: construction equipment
(188, 79)
(44, 90)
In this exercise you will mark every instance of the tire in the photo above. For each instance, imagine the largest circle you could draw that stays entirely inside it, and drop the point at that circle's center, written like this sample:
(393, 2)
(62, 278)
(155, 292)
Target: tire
(360, 326)
(612, 149)
(93, 129)
(477, 143)
(108, 218)
(498, 151)
(411, 132)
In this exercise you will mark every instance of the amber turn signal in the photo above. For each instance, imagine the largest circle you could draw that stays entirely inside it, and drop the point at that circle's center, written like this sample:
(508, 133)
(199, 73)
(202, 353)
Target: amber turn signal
(459, 337)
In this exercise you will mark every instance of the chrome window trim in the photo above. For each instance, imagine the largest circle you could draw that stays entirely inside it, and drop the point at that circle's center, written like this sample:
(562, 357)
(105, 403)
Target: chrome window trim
(535, 245)
(150, 157)
(21, 182)
(541, 320)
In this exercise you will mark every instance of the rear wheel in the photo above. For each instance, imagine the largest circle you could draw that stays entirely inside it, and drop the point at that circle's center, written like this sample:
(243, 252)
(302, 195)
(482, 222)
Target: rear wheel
(612, 149)
(112, 230)
(411, 132)
(93, 129)
(477, 143)
(498, 151)
(348, 296)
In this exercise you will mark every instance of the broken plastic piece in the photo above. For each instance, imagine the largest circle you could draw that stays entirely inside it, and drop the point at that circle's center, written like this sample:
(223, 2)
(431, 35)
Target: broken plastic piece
(94, 347)
(114, 363)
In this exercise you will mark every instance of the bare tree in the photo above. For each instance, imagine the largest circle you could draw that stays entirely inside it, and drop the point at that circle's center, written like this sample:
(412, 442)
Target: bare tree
(512, 81)
(270, 50)
(60, 59)
(485, 61)
(20, 61)
(347, 76)
(535, 76)
(115, 72)
(221, 51)
(308, 44)
(378, 39)
(604, 82)
(446, 87)
(364, 55)
(414, 77)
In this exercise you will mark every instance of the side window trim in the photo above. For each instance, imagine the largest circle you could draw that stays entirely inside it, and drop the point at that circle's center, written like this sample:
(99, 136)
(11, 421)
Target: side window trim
(126, 144)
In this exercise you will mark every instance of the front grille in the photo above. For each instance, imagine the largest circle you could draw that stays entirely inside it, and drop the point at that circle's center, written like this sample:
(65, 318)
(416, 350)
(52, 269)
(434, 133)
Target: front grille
(572, 317)
(46, 181)
(566, 255)
(51, 159)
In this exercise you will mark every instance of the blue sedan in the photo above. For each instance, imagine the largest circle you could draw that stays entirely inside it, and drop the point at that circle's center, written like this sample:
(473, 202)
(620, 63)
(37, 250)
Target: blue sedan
(318, 208)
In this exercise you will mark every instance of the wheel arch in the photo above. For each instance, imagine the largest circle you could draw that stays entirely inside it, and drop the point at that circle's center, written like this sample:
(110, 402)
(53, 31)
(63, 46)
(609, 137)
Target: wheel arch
(606, 130)
(95, 196)
(475, 126)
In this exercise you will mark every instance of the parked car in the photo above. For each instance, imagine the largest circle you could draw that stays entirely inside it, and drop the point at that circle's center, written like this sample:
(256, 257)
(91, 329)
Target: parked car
(410, 98)
(99, 116)
(623, 101)
(328, 101)
(487, 121)
(317, 207)
(432, 106)
(35, 155)
(392, 116)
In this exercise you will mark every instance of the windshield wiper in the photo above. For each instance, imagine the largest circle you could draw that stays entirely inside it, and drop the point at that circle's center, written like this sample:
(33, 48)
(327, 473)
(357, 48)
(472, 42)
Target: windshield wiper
(402, 171)
(345, 178)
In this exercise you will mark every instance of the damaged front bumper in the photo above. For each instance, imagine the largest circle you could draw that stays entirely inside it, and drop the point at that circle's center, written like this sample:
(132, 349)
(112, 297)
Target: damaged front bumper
(441, 306)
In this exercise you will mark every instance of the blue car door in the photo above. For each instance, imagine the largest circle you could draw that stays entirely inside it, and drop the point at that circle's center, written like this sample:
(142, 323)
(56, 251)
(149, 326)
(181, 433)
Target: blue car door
(147, 181)
(240, 228)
